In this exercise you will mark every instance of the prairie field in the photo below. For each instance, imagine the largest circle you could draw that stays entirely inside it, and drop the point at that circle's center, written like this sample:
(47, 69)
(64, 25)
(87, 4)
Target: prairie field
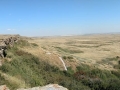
(92, 62)
(98, 50)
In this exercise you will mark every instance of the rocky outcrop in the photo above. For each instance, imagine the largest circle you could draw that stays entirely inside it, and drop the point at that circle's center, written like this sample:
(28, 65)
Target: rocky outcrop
(4, 44)
(47, 87)
(3, 87)
(7, 42)
(11, 40)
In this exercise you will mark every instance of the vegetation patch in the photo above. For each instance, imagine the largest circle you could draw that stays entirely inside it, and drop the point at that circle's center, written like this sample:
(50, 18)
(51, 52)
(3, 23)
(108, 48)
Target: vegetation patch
(69, 58)
(71, 51)
(98, 79)
(34, 44)
(108, 60)
(117, 66)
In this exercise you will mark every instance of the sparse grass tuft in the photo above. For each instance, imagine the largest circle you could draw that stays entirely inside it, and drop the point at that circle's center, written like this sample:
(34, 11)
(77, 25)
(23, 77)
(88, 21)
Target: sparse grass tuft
(71, 51)
(67, 57)
(34, 44)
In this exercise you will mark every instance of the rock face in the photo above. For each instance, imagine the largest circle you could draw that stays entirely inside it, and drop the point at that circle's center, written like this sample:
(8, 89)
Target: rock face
(4, 43)
(3, 87)
(47, 87)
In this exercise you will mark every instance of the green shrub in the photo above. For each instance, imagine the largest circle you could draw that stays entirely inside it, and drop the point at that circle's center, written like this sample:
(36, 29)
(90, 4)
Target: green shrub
(67, 57)
(71, 51)
(34, 44)
(119, 62)
(70, 57)
(64, 57)
(2, 80)
(116, 73)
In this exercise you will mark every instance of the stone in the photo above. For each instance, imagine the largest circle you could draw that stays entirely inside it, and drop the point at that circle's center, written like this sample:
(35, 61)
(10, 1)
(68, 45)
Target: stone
(3, 87)
(47, 87)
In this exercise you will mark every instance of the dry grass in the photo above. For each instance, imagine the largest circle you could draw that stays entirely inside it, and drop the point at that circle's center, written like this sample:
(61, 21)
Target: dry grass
(88, 49)
(11, 79)
(94, 47)
(51, 58)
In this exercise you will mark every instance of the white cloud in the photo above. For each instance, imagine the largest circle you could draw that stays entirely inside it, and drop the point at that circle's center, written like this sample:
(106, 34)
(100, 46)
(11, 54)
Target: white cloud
(10, 29)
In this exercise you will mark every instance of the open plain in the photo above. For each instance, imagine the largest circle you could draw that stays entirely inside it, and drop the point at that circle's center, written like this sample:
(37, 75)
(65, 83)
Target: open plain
(99, 50)
(84, 62)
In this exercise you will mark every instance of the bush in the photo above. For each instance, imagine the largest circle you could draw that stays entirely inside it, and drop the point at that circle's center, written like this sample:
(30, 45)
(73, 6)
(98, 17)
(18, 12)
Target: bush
(34, 44)
(67, 57)
(71, 51)
(70, 57)
(2, 80)
(64, 57)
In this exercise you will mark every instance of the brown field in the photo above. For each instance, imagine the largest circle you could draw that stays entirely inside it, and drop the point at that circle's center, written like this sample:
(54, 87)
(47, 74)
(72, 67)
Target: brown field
(95, 50)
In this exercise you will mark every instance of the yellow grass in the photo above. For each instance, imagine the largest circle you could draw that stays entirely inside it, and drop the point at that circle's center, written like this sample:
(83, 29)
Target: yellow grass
(95, 47)
(15, 80)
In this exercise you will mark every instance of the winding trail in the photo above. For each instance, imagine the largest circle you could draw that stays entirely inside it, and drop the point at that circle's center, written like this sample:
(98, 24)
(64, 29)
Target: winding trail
(63, 63)
(47, 52)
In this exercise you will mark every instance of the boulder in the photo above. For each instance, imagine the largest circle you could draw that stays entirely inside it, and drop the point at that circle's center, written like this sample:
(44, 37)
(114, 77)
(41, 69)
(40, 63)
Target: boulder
(47, 87)
(3, 87)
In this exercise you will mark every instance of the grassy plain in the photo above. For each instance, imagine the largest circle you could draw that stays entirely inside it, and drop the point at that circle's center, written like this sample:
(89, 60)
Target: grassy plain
(32, 62)
(98, 50)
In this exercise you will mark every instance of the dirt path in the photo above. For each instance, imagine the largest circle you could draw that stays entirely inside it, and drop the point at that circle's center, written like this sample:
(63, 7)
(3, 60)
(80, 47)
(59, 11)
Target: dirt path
(63, 63)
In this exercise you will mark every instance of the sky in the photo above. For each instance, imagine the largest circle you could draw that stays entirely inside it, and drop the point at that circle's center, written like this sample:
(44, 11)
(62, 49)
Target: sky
(59, 17)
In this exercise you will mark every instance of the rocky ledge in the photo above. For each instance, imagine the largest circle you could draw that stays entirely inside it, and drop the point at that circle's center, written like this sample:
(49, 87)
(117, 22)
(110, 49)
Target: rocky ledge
(47, 87)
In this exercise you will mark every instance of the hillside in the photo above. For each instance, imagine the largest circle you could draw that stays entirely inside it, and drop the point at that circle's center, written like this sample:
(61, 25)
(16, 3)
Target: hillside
(92, 62)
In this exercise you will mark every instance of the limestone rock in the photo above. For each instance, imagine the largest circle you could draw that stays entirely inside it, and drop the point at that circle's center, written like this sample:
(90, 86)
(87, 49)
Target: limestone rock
(3, 87)
(47, 87)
